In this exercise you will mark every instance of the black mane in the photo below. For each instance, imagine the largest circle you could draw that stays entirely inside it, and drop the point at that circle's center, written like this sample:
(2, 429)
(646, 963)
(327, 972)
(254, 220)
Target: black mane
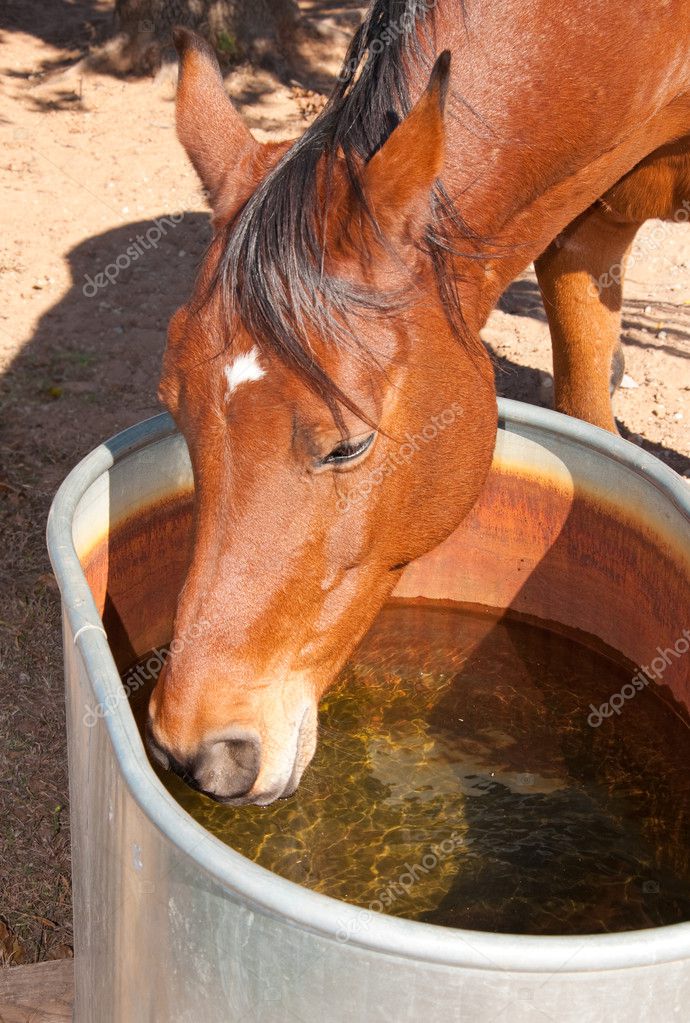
(271, 273)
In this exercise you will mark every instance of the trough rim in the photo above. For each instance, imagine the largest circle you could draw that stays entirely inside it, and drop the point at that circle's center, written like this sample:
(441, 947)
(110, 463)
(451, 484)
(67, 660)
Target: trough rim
(268, 892)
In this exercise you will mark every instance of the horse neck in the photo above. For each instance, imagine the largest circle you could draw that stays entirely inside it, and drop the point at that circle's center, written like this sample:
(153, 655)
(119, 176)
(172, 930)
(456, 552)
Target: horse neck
(542, 120)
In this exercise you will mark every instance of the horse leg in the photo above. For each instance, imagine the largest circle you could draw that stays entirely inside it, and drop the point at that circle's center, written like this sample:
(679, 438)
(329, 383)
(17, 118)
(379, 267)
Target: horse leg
(581, 279)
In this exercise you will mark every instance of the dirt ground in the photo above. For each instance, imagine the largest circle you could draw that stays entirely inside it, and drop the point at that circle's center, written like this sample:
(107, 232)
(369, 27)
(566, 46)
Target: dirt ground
(87, 162)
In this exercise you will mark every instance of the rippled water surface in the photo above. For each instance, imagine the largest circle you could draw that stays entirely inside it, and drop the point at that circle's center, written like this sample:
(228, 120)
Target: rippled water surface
(457, 781)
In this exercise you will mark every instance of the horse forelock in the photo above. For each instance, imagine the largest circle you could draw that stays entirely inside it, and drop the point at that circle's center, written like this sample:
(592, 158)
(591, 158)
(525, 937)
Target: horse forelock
(273, 275)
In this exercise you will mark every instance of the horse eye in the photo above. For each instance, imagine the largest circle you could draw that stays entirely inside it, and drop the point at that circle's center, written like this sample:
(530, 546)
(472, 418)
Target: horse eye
(348, 451)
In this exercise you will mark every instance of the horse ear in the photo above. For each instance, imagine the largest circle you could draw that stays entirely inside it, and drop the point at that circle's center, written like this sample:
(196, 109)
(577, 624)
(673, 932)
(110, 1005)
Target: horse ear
(399, 177)
(215, 137)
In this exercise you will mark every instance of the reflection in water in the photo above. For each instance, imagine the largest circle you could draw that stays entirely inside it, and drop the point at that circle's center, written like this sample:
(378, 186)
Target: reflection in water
(457, 781)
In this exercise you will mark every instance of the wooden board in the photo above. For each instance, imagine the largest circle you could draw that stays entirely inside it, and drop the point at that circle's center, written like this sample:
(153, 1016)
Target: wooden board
(42, 993)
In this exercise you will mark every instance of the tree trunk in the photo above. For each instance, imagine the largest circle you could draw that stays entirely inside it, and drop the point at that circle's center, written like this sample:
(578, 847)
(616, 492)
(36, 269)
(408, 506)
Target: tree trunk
(259, 30)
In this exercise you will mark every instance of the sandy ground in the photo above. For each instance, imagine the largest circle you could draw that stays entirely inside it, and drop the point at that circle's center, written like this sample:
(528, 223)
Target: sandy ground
(88, 162)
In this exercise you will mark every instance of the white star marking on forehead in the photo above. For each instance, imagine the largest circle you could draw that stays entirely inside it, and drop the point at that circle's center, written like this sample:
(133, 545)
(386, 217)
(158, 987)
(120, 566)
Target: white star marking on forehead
(243, 369)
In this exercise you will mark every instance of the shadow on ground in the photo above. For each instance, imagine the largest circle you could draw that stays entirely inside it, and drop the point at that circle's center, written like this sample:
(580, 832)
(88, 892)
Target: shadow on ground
(71, 26)
(80, 27)
(524, 383)
(91, 368)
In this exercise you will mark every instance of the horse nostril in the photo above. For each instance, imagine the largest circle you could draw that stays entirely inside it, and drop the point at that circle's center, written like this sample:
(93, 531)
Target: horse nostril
(230, 766)
(164, 758)
(225, 770)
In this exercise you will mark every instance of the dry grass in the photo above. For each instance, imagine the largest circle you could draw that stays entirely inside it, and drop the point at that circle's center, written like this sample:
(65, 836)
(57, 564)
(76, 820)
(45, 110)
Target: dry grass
(34, 833)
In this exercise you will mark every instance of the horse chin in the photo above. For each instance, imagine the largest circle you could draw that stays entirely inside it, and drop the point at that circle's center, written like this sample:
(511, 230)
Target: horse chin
(304, 749)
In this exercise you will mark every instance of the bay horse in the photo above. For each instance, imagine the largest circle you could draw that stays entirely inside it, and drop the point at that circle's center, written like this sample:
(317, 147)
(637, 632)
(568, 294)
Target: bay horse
(327, 373)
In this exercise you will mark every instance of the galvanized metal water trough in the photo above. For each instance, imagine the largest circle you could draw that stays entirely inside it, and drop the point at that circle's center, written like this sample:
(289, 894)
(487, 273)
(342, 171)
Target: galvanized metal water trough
(575, 527)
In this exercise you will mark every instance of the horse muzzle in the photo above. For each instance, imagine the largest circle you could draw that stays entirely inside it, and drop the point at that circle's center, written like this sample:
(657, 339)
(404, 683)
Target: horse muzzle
(236, 767)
